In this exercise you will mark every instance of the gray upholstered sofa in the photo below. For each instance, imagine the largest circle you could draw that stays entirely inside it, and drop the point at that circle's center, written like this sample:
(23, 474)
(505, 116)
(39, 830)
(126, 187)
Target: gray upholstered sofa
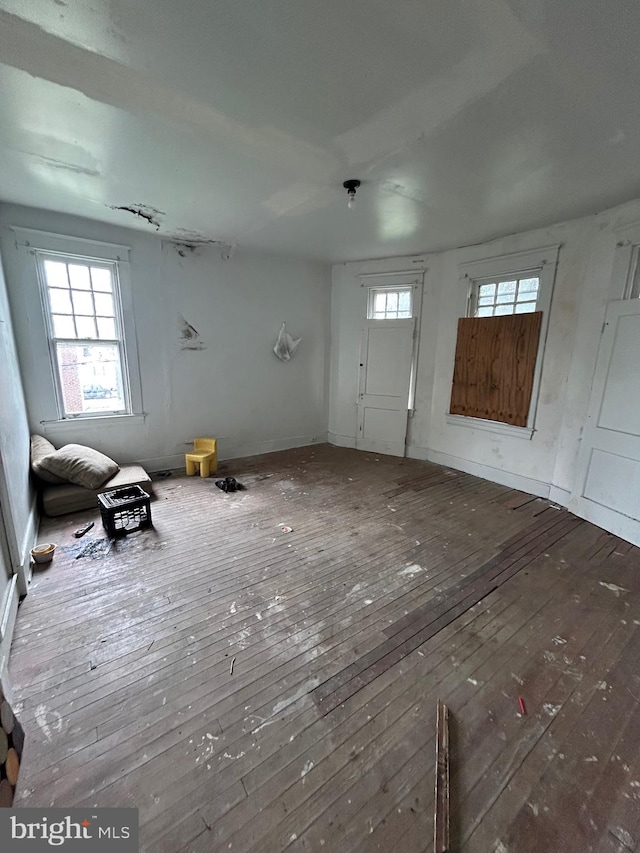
(59, 497)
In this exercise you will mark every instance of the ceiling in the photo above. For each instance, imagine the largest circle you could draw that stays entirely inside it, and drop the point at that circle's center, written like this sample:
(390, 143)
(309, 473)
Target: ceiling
(238, 120)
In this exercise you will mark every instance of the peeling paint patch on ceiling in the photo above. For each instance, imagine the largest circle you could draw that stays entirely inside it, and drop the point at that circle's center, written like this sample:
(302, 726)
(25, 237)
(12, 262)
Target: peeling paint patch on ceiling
(144, 211)
(465, 119)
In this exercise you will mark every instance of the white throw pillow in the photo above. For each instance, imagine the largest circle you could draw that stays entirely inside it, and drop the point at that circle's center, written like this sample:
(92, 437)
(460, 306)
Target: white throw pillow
(80, 465)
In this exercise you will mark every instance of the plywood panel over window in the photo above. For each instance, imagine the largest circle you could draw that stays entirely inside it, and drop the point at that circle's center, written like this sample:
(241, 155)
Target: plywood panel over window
(494, 367)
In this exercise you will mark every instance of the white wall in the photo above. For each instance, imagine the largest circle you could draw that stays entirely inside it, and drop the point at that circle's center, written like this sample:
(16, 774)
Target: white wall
(234, 388)
(545, 464)
(17, 502)
(16, 494)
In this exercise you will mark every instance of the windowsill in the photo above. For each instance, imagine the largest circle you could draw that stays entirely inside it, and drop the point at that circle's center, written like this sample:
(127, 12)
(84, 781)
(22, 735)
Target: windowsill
(93, 421)
(490, 426)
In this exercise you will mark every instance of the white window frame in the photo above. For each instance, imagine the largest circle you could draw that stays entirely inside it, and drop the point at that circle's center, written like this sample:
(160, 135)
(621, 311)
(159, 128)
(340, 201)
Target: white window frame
(541, 263)
(474, 293)
(397, 288)
(43, 245)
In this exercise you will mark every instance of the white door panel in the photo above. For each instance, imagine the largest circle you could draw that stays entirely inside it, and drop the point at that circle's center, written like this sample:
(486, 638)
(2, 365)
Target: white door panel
(386, 352)
(608, 476)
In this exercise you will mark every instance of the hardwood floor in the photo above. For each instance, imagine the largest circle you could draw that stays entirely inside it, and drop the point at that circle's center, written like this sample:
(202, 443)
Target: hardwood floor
(401, 583)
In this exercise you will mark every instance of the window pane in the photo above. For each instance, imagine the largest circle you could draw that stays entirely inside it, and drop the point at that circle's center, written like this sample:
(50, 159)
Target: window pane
(104, 304)
(79, 277)
(484, 312)
(528, 285)
(392, 304)
(526, 296)
(101, 279)
(503, 309)
(86, 327)
(405, 301)
(63, 327)
(487, 290)
(82, 302)
(525, 307)
(90, 378)
(506, 291)
(485, 300)
(60, 301)
(106, 328)
(56, 274)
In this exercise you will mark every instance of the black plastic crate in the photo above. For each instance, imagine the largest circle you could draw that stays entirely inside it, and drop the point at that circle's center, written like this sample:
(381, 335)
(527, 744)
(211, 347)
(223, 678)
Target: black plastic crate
(125, 510)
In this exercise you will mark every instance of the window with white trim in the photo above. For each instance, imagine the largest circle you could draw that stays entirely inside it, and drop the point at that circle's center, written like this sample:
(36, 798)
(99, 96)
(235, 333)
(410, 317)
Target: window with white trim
(516, 283)
(83, 313)
(508, 295)
(390, 303)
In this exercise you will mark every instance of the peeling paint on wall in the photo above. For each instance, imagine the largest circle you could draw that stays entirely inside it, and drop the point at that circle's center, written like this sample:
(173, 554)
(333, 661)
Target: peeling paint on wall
(189, 336)
(183, 248)
(185, 240)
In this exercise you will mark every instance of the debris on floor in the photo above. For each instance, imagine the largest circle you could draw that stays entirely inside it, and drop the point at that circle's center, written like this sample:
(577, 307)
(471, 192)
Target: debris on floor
(93, 548)
(229, 484)
(523, 710)
(163, 474)
(285, 528)
(441, 803)
(82, 530)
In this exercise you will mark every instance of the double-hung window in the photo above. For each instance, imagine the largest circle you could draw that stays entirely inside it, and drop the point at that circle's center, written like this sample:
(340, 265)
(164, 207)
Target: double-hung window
(83, 314)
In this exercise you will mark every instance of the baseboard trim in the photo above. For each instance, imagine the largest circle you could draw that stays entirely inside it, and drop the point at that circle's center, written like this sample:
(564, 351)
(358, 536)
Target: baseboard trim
(414, 451)
(163, 463)
(227, 452)
(559, 496)
(486, 472)
(341, 440)
(23, 571)
(8, 621)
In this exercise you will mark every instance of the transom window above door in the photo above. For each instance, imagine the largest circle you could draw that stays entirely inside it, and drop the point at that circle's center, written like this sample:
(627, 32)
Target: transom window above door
(509, 296)
(390, 303)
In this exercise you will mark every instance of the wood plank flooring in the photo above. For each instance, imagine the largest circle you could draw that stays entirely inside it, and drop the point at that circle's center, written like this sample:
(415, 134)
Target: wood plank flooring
(401, 582)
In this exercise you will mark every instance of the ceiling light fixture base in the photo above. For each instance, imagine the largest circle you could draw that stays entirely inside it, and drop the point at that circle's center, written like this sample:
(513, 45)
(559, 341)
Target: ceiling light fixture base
(351, 186)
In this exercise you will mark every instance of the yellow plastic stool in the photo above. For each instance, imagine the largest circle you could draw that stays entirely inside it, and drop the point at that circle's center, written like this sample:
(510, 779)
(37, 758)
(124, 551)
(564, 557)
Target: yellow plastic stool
(204, 454)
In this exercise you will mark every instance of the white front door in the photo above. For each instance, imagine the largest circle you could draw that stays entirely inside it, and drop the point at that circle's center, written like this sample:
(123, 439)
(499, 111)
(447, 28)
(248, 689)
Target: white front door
(386, 351)
(608, 475)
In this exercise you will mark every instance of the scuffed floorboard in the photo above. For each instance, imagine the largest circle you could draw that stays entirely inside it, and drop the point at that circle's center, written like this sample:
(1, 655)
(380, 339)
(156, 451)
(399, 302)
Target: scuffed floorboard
(384, 597)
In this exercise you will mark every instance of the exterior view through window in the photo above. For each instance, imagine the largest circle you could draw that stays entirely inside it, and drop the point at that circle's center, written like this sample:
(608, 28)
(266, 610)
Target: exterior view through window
(82, 307)
(390, 303)
(514, 296)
